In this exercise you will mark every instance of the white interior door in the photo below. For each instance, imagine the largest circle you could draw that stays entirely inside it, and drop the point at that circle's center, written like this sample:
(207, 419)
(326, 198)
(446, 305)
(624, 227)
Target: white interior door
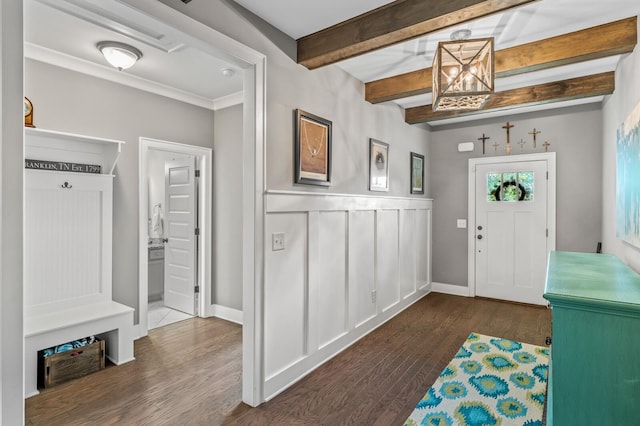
(180, 249)
(511, 234)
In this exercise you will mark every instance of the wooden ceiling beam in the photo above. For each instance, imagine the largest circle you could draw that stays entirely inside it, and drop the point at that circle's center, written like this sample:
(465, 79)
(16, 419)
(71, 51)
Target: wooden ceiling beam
(592, 43)
(393, 23)
(575, 88)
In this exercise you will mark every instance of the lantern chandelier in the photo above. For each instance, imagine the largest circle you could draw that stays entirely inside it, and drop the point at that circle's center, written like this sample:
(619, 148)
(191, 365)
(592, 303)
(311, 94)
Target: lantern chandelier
(463, 72)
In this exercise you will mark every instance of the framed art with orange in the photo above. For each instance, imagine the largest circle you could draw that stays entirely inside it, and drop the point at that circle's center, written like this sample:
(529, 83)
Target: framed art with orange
(312, 149)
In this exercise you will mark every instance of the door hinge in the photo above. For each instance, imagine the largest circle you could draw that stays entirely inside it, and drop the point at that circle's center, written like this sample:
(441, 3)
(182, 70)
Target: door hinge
(197, 173)
(547, 232)
(197, 231)
(547, 175)
(196, 289)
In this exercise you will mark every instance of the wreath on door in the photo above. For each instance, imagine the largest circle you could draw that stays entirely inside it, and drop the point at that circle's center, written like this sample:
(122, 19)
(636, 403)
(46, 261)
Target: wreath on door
(522, 192)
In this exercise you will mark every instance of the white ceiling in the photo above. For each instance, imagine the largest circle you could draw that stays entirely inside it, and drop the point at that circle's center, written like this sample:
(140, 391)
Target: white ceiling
(65, 32)
(300, 18)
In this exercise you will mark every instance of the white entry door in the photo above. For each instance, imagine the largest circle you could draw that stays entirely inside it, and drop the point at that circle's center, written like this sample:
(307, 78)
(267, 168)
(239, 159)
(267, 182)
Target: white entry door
(180, 249)
(511, 230)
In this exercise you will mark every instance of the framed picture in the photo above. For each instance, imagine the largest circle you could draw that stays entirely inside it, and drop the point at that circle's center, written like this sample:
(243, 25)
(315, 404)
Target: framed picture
(378, 165)
(628, 179)
(312, 149)
(417, 173)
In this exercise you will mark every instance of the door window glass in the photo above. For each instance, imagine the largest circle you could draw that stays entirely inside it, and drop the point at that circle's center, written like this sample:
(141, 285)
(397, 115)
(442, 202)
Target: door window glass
(510, 186)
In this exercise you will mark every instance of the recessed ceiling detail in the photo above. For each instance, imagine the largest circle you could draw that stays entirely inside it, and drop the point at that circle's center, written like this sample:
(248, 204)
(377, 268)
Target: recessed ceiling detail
(65, 33)
(121, 19)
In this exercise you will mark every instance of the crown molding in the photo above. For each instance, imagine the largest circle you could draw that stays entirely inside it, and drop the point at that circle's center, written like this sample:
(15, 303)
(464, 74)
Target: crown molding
(228, 101)
(63, 60)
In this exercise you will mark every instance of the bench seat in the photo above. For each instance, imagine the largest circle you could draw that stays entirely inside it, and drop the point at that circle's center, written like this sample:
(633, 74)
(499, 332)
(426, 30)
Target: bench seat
(109, 320)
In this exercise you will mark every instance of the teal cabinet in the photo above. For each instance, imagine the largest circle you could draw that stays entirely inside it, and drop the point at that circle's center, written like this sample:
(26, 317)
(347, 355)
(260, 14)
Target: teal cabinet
(595, 355)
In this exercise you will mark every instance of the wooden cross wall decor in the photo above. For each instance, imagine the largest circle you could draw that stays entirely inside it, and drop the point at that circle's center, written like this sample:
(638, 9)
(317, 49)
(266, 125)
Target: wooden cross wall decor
(534, 133)
(483, 139)
(508, 126)
(507, 147)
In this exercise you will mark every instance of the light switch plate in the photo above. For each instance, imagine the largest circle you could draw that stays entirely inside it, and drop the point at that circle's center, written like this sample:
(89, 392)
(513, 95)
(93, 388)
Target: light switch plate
(277, 241)
(462, 223)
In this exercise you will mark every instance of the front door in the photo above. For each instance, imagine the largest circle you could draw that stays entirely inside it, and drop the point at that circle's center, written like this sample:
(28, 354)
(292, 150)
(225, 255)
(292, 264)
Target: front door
(180, 249)
(511, 230)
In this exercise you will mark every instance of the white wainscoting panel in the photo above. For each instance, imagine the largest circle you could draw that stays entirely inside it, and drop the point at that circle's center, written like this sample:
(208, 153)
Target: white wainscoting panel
(387, 272)
(61, 264)
(408, 252)
(330, 277)
(65, 250)
(423, 248)
(285, 304)
(362, 254)
(319, 290)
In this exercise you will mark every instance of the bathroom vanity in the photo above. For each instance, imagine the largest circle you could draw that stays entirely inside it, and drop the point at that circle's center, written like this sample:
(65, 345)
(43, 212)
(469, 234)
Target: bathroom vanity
(156, 272)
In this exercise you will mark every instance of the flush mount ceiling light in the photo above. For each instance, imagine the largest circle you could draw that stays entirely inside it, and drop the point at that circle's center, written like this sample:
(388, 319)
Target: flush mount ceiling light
(120, 55)
(463, 72)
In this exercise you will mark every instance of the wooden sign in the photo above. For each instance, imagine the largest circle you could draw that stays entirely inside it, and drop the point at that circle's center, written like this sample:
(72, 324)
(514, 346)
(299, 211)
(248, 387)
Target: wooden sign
(62, 166)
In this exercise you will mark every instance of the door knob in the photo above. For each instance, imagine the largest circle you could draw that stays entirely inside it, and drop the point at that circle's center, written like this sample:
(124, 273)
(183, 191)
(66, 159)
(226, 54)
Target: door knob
(479, 237)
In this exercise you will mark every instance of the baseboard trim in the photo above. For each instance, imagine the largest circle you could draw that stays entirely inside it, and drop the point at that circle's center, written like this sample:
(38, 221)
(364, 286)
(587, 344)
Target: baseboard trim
(456, 290)
(226, 313)
(121, 362)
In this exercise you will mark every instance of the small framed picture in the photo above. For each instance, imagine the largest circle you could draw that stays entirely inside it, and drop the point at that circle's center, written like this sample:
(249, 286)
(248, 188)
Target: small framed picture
(417, 173)
(378, 165)
(312, 149)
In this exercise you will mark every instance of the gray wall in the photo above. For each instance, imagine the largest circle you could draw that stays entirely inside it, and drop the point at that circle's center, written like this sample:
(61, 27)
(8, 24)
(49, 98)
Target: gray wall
(227, 203)
(617, 108)
(574, 134)
(328, 92)
(77, 103)
(339, 98)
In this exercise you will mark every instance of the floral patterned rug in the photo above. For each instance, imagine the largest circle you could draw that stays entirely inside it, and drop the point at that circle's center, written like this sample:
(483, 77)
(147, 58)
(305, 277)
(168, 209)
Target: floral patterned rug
(490, 381)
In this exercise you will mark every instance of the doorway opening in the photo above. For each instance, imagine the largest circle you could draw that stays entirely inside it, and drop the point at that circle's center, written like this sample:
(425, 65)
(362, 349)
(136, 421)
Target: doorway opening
(175, 184)
(253, 65)
(512, 208)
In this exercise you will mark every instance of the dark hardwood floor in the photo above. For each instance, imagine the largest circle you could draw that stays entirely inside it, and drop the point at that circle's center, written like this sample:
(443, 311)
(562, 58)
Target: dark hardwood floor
(189, 373)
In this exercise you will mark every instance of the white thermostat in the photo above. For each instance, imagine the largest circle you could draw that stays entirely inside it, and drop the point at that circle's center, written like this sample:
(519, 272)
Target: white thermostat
(465, 147)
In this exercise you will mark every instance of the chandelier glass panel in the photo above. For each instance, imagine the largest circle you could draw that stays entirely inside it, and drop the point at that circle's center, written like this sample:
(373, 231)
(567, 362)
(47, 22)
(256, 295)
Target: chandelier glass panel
(463, 74)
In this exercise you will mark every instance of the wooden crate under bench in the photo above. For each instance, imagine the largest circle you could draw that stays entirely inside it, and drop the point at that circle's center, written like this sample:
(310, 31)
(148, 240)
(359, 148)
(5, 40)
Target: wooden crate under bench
(72, 364)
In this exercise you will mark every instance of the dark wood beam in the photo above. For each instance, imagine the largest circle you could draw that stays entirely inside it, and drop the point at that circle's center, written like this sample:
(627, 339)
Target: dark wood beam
(393, 23)
(399, 86)
(597, 42)
(575, 88)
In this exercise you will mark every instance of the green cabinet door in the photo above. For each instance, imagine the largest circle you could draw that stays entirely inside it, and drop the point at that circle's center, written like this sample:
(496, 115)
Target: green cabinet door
(595, 353)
